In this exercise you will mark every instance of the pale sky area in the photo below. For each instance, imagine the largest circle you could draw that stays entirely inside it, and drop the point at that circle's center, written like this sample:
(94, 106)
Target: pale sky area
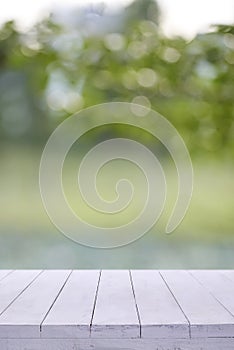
(184, 17)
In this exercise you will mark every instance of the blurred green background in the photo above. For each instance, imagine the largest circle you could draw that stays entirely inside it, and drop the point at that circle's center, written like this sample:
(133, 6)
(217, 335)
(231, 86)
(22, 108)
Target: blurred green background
(88, 56)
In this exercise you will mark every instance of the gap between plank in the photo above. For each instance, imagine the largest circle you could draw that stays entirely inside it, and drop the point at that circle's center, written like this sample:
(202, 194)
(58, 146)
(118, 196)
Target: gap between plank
(21, 292)
(133, 291)
(7, 275)
(176, 302)
(55, 299)
(207, 289)
(226, 276)
(95, 302)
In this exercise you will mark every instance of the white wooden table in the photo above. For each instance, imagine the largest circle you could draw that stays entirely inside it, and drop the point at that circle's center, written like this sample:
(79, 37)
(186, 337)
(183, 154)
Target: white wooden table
(107, 310)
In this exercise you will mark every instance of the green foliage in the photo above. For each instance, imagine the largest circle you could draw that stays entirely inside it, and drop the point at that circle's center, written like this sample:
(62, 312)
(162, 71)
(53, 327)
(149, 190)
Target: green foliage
(58, 68)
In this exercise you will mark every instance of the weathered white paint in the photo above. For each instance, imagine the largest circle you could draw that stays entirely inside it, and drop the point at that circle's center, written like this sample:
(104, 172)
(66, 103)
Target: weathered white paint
(160, 315)
(229, 274)
(137, 310)
(118, 344)
(4, 273)
(23, 318)
(218, 285)
(13, 284)
(72, 312)
(206, 316)
(115, 315)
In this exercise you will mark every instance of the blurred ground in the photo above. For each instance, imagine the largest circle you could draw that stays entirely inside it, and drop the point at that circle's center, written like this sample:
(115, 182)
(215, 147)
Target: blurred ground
(28, 239)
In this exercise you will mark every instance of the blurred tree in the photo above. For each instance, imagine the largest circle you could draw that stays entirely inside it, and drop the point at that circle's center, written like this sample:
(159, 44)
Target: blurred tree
(60, 67)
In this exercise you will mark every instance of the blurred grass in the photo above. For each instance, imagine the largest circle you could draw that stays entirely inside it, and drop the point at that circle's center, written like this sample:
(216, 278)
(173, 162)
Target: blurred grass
(210, 216)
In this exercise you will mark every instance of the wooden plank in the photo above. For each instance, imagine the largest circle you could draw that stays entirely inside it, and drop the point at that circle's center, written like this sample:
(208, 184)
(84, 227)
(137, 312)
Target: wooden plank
(13, 284)
(118, 344)
(24, 317)
(219, 286)
(206, 316)
(4, 273)
(115, 314)
(160, 315)
(229, 274)
(63, 307)
(71, 314)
